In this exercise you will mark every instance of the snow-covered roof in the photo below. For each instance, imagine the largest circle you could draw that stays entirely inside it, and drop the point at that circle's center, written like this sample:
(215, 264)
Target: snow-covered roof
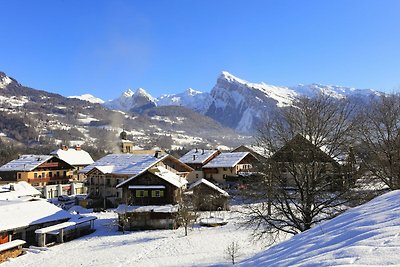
(130, 164)
(209, 184)
(20, 190)
(73, 157)
(18, 214)
(226, 160)
(197, 155)
(162, 173)
(25, 163)
(122, 208)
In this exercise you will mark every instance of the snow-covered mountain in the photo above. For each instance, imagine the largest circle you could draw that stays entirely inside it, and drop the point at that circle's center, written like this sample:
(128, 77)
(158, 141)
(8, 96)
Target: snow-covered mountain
(234, 102)
(132, 101)
(90, 98)
(195, 100)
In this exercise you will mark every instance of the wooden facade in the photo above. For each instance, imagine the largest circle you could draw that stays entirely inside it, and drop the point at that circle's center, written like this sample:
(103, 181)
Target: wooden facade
(149, 189)
(53, 171)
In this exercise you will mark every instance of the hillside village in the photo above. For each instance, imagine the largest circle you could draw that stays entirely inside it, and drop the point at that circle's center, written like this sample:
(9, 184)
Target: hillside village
(56, 198)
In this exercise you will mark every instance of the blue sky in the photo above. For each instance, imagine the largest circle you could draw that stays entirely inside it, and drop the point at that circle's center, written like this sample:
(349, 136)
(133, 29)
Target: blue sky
(104, 47)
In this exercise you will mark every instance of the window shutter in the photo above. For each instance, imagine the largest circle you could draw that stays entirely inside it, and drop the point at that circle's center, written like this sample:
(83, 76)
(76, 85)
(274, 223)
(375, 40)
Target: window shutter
(161, 193)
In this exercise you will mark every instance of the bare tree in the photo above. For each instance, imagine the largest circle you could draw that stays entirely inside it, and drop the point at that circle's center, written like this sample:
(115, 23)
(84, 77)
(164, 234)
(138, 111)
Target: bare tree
(186, 214)
(380, 136)
(232, 251)
(301, 183)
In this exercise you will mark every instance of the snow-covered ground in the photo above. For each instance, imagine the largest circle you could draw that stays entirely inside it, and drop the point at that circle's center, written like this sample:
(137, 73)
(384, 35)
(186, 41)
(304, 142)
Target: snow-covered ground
(368, 235)
(108, 247)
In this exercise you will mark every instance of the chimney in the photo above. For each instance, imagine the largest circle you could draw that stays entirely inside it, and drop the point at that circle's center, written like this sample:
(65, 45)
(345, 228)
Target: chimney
(78, 148)
(196, 149)
(64, 147)
(202, 151)
(12, 187)
(157, 154)
(194, 157)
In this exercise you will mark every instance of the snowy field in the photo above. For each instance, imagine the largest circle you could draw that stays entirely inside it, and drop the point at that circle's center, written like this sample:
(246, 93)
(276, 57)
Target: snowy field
(108, 247)
(368, 235)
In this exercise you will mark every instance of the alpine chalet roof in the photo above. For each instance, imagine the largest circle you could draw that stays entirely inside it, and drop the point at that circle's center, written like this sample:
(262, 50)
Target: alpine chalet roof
(25, 163)
(21, 190)
(130, 164)
(197, 156)
(73, 157)
(209, 184)
(18, 214)
(163, 174)
(226, 160)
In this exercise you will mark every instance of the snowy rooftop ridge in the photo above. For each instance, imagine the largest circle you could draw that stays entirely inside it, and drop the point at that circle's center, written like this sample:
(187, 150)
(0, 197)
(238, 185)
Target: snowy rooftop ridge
(24, 213)
(130, 164)
(364, 235)
(226, 160)
(73, 156)
(21, 190)
(197, 156)
(209, 184)
(25, 163)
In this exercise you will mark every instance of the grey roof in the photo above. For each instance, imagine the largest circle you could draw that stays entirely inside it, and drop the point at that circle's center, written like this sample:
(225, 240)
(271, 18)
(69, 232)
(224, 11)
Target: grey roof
(197, 156)
(25, 163)
(124, 163)
(226, 160)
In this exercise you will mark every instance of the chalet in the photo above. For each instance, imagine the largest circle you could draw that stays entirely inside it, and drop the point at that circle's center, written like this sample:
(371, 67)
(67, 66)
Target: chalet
(106, 173)
(228, 165)
(76, 157)
(196, 159)
(151, 197)
(207, 196)
(155, 186)
(300, 150)
(37, 170)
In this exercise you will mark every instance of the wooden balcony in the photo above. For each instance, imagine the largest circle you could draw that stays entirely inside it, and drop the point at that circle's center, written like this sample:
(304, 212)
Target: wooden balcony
(49, 179)
(49, 165)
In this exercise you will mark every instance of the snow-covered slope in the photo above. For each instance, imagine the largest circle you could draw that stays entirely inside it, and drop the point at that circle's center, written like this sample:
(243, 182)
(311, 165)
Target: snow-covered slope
(368, 235)
(88, 97)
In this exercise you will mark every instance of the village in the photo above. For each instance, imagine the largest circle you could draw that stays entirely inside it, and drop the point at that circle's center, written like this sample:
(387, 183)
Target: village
(44, 198)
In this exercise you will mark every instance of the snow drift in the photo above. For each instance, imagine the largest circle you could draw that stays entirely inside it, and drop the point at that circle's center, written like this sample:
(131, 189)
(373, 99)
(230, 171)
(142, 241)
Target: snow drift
(365, 235)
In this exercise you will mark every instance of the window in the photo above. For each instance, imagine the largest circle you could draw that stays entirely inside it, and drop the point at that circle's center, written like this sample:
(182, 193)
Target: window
(43, 175)
(141, 193)
(35, 175)
(50, 174)
(157, 193)
(108, 181)
(197, 175)
(19, 176)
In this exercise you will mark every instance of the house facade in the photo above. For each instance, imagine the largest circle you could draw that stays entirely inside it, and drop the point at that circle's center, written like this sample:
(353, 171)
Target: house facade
(228, 165)
(196, 159)
(150, 199)
(76, 157)
(37, 170)
(104, 175)
(300, 152)
(207, 196)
